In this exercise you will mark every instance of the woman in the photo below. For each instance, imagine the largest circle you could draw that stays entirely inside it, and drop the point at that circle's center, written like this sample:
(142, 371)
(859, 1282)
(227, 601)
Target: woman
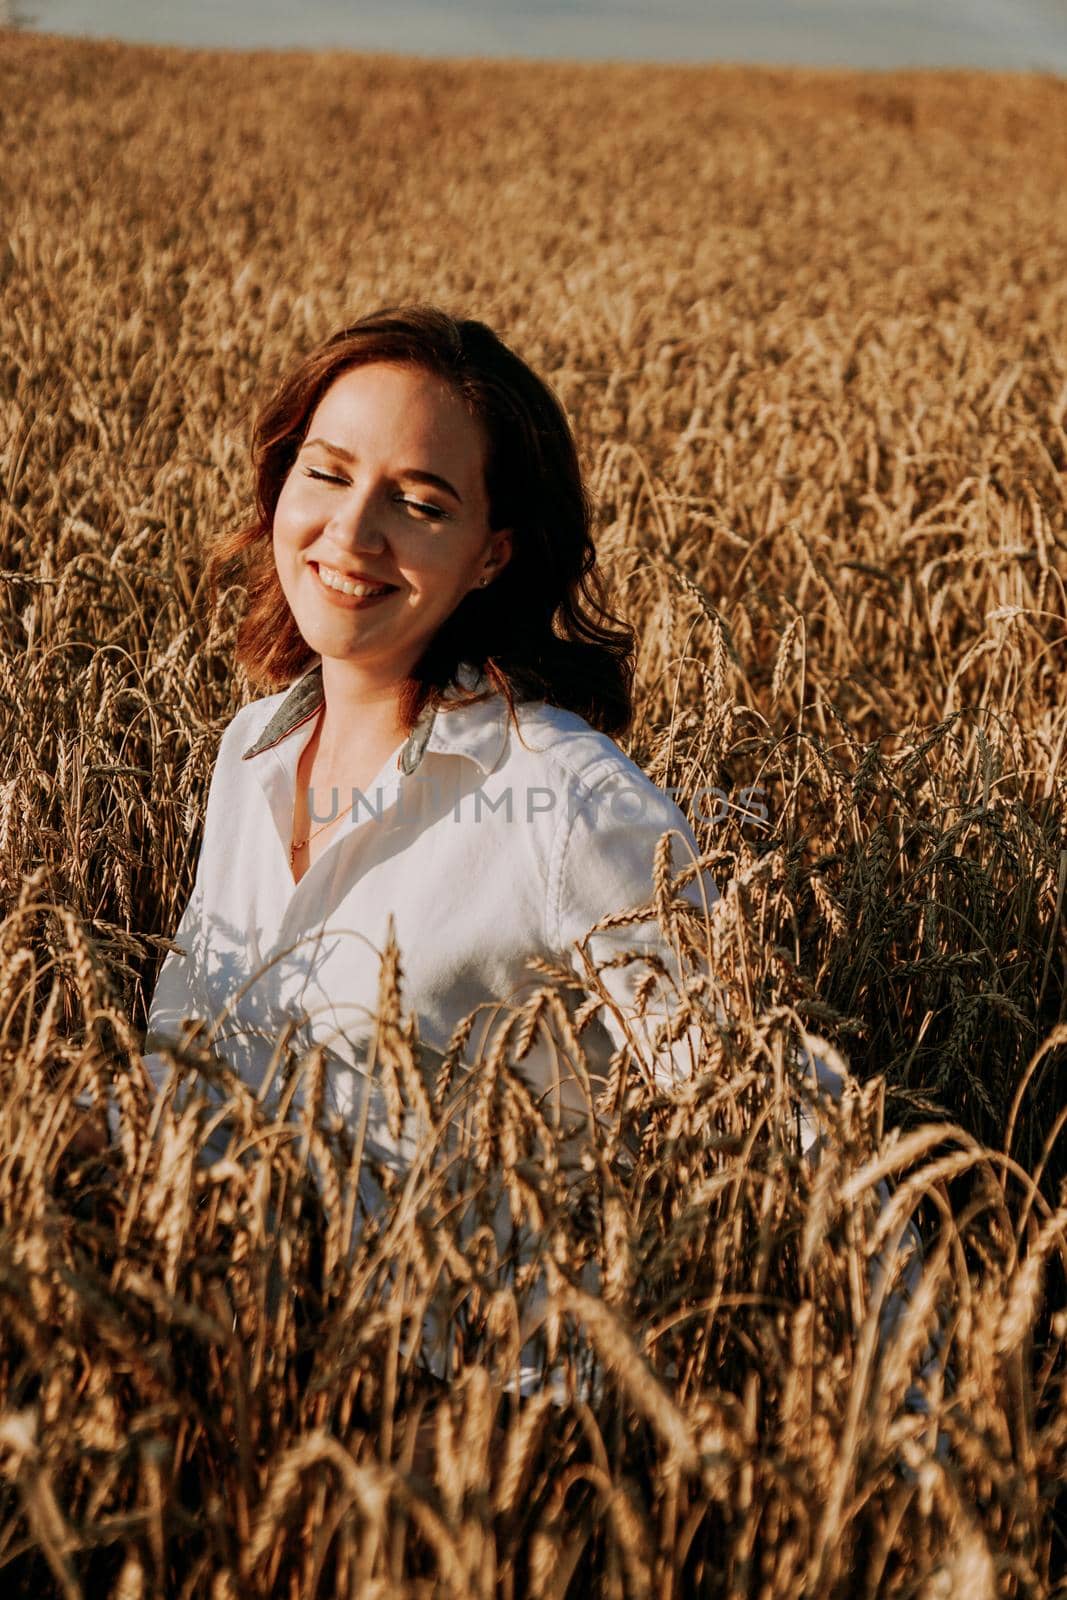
(441, 770)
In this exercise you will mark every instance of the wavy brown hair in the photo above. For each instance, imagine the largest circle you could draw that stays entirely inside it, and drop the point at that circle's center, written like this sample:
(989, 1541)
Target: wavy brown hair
(543, 629)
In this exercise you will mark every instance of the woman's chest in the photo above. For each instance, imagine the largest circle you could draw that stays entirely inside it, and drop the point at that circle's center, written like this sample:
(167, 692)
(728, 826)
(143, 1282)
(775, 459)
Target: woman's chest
(462, 901)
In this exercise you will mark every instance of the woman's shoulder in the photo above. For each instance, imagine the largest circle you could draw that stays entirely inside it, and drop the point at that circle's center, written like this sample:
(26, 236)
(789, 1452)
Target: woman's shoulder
(607, 819)
(565, 742)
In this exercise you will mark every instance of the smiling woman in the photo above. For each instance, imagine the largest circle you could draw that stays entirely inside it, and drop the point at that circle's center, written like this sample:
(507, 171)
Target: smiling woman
(425, 601)
(423, 582)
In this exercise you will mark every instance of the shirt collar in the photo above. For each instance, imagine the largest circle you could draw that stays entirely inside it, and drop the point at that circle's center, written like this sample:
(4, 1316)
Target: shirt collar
(476, 731)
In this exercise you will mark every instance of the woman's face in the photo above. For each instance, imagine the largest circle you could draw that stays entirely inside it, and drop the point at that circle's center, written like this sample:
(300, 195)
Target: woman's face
(386, 497)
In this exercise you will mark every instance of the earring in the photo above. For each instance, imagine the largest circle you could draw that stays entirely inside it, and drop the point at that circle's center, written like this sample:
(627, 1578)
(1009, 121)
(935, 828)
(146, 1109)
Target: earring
(482, 582)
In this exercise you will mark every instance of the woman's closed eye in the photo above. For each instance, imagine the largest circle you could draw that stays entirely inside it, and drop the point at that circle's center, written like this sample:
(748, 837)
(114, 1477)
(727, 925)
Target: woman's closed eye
(424, 507)
(432, 513)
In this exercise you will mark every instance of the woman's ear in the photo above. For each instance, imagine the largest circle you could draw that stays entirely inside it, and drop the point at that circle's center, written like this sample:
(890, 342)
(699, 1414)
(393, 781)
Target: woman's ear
(499, 554)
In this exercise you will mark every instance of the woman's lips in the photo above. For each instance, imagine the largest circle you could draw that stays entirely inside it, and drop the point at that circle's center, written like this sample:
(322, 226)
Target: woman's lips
(350, 602)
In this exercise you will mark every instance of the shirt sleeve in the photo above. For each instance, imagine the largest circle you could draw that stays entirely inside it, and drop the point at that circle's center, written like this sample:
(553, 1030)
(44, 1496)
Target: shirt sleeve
(179, 992)
(177, 995)
(603, 867)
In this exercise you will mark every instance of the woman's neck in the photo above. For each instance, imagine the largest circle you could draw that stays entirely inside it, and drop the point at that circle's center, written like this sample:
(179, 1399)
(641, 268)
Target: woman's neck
(362, 711)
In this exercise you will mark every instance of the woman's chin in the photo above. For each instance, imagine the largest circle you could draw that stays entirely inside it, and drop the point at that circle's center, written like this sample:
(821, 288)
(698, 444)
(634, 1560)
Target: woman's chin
(371, 648)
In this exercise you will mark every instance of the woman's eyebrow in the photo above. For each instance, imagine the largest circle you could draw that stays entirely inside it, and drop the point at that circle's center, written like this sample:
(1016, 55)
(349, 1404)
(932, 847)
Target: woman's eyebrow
(418, 473)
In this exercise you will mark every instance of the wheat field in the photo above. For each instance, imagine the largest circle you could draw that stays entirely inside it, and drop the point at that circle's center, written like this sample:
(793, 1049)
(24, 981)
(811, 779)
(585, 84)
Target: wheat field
(812, 331)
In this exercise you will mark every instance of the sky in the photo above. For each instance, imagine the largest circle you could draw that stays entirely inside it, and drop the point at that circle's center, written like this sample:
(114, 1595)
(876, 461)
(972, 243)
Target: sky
(999, 34)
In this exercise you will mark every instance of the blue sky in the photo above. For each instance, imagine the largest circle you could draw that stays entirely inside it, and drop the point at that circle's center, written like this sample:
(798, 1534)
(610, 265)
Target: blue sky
(1005, 34)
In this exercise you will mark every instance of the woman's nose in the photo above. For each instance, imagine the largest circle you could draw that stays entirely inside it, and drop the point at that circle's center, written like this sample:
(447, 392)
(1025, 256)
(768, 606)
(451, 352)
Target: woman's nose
(357, 525)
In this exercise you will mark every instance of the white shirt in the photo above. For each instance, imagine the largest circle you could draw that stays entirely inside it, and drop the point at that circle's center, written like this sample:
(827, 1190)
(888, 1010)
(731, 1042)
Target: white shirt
(482, 848)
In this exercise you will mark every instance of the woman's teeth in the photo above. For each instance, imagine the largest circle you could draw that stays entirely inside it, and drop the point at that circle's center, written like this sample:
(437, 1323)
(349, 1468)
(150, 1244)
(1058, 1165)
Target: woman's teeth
(334, 580)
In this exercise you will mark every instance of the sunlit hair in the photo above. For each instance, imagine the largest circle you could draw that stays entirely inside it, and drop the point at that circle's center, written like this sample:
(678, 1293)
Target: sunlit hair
(542, 629)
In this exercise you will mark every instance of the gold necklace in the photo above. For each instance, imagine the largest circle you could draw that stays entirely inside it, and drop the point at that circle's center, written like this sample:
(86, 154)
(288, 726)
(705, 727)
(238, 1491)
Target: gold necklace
(298, 844)
(410, 756)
